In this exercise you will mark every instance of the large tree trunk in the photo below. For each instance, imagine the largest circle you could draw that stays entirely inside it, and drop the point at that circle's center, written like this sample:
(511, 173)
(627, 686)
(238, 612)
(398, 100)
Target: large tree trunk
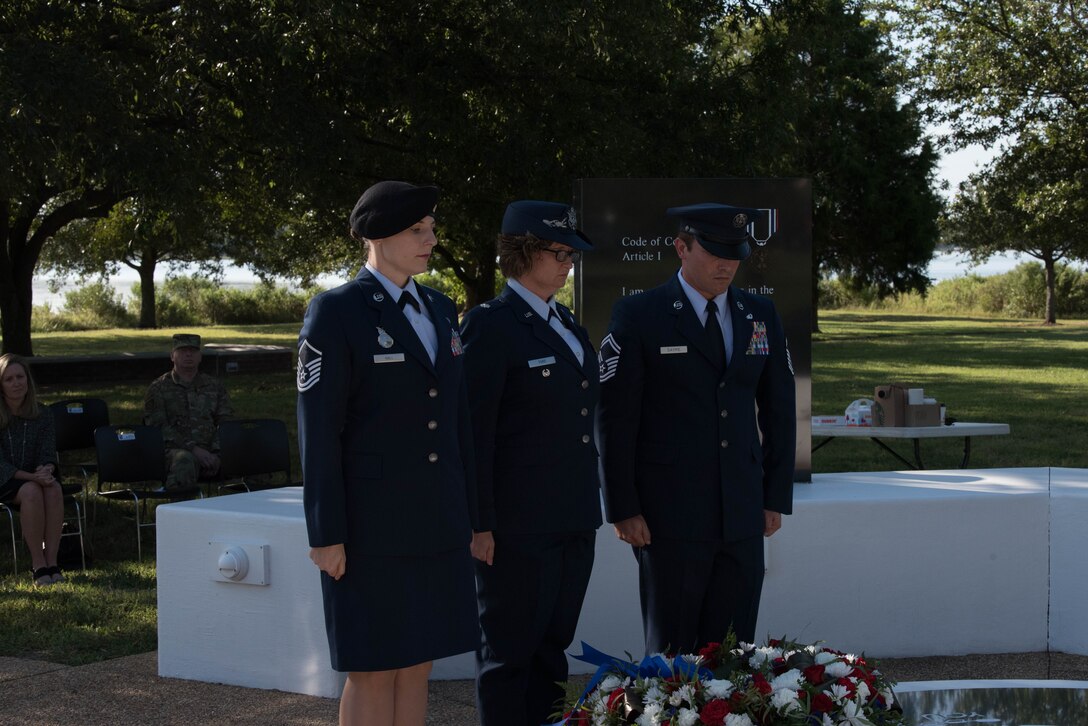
(815, 319)
(482, 287)
(16, 303)
(1051, 291)
(147, 294)
(16, 288)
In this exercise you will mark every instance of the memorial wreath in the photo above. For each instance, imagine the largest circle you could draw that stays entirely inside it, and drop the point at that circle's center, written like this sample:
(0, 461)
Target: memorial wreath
(728, 684)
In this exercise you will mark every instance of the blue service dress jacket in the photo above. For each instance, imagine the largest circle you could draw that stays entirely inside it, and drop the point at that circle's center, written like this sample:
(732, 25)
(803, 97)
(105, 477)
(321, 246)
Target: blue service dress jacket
(384, 434)
(386, 449)
(533, 411)
(679, 439)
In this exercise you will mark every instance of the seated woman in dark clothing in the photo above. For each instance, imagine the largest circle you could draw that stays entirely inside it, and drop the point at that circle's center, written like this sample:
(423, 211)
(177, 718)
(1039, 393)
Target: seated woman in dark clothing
(28, 467)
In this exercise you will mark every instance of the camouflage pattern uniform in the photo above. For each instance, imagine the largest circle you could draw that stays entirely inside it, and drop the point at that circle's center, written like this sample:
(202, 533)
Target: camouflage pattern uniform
(189, 415)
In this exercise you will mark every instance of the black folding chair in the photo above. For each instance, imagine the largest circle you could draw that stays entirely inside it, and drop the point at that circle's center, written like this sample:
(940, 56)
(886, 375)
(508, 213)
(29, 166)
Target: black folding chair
(135, 456)
(254, 454)
(75, 420)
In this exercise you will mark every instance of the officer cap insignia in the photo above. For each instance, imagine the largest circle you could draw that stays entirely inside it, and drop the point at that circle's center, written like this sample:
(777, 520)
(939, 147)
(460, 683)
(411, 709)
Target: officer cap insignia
(309, 366)
(677, 305)
(741, 220)
(378, 297)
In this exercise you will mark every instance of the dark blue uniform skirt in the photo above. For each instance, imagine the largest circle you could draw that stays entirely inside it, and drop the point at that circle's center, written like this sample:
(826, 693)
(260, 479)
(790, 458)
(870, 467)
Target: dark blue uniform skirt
(393, 612)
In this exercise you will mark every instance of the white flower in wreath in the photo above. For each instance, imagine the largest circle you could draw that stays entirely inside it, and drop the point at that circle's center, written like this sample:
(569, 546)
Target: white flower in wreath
(654, 695)
(823, 657)
(652, 715)
(863, 691)
(791, 679)
(738, 719)
(719, 688)
(785, 700)
(838, 693)
(683, 694)
(765, 655)
(687, 717)
(838, 669)
(609, 684)
(853, 715)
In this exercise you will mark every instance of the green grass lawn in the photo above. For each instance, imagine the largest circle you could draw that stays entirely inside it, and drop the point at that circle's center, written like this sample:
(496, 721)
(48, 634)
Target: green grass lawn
(1033, 377)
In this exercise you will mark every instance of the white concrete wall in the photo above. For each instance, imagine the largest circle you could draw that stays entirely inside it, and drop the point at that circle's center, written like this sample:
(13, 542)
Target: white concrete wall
(913, 563)
(1069, 560)
(895, 564)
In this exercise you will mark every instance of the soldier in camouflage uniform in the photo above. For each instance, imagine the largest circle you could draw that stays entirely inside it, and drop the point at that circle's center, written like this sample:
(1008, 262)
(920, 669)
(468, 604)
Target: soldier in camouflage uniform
(188, 406)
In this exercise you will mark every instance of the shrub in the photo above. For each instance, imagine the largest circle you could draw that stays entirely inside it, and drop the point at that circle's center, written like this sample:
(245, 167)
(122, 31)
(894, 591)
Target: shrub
(182, 301)
(91, 307)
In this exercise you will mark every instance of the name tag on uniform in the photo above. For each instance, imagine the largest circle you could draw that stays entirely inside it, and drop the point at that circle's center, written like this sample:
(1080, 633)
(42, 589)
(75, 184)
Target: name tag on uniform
(389, 358)
(536, 363)
(673, 349)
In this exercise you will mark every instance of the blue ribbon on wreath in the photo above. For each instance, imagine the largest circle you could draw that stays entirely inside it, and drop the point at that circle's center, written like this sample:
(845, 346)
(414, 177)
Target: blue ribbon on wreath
(652, 666)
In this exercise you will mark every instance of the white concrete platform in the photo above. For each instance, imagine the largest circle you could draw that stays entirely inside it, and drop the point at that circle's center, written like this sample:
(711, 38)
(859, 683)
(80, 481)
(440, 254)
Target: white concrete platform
(897, 564)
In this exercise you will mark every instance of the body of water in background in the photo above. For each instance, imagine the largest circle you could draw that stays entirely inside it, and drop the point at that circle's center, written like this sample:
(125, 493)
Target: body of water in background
(233, 277)
(943, 267)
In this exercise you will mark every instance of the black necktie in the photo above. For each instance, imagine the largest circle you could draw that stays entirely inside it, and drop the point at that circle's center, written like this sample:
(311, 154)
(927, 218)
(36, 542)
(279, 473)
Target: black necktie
(407, 298)
(714, 335)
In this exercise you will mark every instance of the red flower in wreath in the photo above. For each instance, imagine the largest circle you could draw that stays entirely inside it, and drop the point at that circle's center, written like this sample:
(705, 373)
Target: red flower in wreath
(714, 712)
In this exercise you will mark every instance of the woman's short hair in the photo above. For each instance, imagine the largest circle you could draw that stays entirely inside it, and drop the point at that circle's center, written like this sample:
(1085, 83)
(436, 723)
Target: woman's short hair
(516, 253)
(29, 409)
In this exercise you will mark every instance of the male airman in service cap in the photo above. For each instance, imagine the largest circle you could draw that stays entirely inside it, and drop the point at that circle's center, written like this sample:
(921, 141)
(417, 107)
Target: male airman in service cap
(188, 406)
(692, 480)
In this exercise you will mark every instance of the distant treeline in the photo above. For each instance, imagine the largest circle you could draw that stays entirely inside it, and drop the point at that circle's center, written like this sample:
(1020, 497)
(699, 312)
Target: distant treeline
(1019, 293)
(179, 301)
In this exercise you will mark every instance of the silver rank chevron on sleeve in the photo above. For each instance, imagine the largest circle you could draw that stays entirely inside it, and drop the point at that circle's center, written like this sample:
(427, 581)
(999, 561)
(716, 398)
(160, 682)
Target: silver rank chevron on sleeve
(610, 357)
(309, 366)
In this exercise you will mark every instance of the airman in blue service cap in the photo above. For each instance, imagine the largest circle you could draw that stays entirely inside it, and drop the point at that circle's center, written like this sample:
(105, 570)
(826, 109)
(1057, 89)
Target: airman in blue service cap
(389, 207)
(722, 230)
(553, 221)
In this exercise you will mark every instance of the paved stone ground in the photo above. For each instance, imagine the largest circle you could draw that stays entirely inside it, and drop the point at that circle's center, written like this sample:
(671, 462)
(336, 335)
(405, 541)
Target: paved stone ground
(128, 691)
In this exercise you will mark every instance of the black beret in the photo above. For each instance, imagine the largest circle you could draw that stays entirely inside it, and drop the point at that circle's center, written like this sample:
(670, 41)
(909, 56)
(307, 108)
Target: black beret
(390, 207)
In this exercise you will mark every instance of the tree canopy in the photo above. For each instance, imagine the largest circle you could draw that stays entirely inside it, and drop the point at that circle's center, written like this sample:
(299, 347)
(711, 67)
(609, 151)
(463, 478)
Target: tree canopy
(263, 122)
(823, 92)
(1032, 200)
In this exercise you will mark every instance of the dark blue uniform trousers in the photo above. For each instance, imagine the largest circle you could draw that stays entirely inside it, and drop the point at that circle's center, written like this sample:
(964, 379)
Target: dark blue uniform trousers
(529, 599)
(693, 592)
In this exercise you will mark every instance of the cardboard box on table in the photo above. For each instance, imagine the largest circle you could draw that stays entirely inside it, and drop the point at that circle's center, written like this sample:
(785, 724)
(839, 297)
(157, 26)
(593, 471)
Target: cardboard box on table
(922, 414)
(889, 404)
